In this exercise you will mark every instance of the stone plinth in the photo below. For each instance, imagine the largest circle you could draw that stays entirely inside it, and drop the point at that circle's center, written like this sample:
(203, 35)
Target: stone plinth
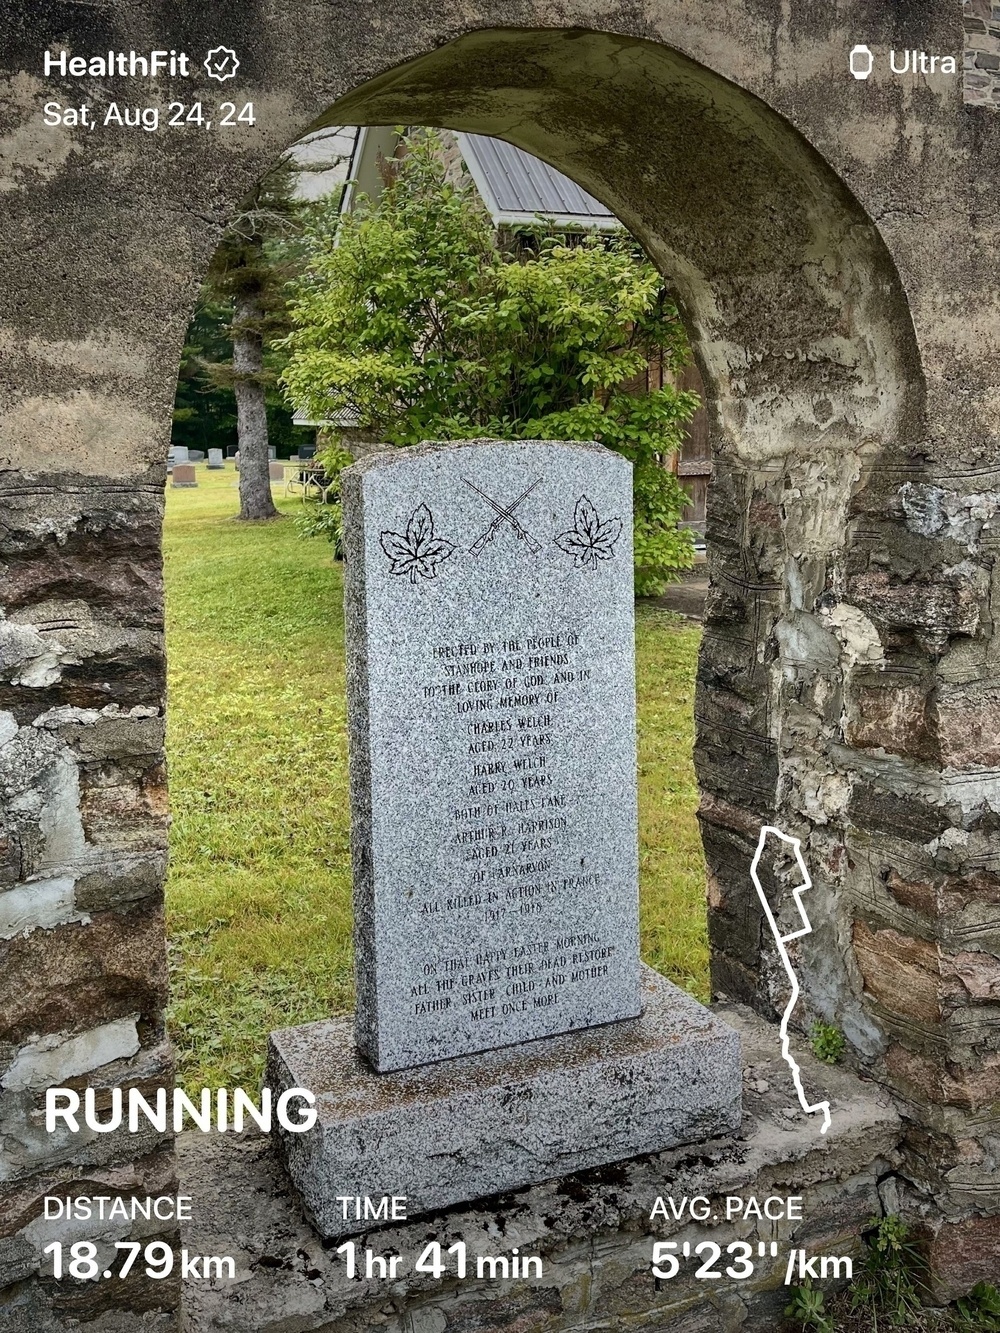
(479, 1125)
(594, 1230)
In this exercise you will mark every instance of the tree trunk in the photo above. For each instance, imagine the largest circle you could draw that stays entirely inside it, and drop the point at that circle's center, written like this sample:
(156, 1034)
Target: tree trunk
(251, 414)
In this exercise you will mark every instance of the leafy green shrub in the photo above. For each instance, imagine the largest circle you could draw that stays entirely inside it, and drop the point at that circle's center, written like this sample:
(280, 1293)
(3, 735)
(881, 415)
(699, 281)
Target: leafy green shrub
(979, 1312)
(827, 1042)
(808, 1308)
(322, 520)
(425, 325)
(887, 1285)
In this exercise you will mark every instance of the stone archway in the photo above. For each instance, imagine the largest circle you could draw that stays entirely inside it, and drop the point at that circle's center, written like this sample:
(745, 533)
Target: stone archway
(846, 684)
(802, 330)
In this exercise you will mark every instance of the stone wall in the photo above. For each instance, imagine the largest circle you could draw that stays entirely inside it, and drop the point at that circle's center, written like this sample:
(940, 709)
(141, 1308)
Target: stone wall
(981, 81)
(83, 845)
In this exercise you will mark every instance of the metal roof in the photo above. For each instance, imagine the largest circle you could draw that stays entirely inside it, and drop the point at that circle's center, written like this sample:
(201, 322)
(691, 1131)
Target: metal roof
(348, 418)
(517, 187)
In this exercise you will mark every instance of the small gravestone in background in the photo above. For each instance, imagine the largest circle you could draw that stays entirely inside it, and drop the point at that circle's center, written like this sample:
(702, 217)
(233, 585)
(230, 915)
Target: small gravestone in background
(272, 451)
(215, 460)
(179, 453)
(508, 1031)
(276, 471)
(184, 475)
(231, 450)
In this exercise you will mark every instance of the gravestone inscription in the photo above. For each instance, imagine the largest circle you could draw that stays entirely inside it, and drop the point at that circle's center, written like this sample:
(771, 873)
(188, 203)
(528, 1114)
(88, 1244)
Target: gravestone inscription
(490, 635)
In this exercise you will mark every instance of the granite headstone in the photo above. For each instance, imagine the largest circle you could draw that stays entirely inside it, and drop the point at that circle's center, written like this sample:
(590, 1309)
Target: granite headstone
(184, 475)
(505, 1032)
(490, 630)
(215, 460)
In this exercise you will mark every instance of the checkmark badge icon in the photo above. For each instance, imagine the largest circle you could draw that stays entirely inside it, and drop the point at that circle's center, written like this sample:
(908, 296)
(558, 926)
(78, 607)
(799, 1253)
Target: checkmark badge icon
(221, 63)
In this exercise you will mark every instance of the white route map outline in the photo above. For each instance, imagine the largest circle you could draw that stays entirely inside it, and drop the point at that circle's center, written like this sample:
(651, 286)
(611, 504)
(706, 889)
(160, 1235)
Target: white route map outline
(781, 941)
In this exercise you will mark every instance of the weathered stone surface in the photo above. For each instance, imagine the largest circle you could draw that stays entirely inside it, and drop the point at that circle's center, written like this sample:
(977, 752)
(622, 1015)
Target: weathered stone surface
(23, 1203)
(124, 805)
(491, 714)
(968, 723)
(902, 973)
(959, 1255)
(496, 1121)
(79, 976)
(975, 973)
(928, 1078)
(29, 1308)
(30, 1148)
(891, 713)
(125, 879)
(593, 1230)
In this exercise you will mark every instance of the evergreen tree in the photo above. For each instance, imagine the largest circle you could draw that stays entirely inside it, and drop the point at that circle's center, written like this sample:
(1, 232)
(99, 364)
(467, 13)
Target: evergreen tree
(249, 272)
(205, 413)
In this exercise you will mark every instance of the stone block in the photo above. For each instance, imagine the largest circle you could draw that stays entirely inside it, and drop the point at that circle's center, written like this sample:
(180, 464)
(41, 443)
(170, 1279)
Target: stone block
(215, 460)
(480, 1125)
(39, 904)
(959, 1255)
(593, 1229)
(276, 471)
(902, 973)
(184, 475)
(77, 977)
(928, 1080)
(50, 1061)
(122, 880)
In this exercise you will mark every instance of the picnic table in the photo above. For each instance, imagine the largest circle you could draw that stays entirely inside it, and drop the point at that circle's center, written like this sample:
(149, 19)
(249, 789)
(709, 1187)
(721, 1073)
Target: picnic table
(309, 478)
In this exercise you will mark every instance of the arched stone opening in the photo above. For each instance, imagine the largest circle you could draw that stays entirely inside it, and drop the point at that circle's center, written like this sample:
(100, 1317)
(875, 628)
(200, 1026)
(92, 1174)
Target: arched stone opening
(802, 331)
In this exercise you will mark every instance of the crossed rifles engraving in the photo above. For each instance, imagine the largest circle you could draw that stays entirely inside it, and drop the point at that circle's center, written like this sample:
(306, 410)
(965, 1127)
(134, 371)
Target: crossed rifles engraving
(504, 514)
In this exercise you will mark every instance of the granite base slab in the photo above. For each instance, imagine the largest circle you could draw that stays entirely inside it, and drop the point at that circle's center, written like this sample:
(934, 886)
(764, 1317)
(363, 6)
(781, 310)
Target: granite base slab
(479, 1125)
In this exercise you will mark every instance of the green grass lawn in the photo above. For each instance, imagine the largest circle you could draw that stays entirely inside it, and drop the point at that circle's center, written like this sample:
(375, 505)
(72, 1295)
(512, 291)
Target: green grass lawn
(259, 890)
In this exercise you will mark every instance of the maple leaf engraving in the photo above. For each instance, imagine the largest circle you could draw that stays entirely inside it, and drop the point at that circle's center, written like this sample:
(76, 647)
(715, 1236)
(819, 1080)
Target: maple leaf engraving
(589, 540)
(417, 552)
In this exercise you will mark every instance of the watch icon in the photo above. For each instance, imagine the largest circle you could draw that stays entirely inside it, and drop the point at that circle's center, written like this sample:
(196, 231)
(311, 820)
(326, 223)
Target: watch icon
(861, 62)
